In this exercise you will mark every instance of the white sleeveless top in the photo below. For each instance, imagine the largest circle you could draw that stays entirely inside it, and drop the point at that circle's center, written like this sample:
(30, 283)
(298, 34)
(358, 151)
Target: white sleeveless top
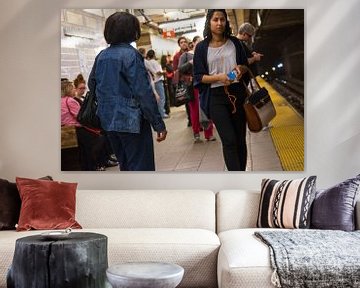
(221, 60)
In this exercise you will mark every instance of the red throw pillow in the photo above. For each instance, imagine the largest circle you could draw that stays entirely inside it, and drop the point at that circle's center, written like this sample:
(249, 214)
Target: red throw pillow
(46, 204)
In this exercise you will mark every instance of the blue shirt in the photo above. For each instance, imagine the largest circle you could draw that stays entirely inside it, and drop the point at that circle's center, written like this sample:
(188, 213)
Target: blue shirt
(120, 82)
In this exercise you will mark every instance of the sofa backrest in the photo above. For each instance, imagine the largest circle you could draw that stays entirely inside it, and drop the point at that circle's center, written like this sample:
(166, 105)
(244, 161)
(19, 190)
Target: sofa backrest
(236, 209)
(239, 209)
(146, 209)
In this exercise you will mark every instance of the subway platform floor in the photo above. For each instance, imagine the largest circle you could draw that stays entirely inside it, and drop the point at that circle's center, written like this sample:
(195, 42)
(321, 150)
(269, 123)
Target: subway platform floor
(279, 147)
(180, 153)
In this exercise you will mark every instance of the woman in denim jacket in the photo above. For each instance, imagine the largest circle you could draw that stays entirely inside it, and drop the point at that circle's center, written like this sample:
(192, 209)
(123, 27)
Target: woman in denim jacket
(126, 104)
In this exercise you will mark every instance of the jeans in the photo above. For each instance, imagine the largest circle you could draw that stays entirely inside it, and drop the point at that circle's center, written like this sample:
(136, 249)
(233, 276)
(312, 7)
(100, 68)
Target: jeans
(134, 152)
(159, 87)
(231, 127)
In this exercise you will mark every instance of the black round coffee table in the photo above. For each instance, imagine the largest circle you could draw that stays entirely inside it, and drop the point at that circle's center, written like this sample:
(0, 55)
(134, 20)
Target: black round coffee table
(78, 260)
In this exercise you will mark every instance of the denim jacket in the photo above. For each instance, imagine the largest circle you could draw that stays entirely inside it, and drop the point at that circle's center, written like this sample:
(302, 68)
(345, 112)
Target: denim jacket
(120, 83)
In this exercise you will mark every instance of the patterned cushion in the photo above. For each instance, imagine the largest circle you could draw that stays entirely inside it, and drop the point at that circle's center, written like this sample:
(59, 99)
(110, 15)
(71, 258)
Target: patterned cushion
(286, 204)
(334, 208)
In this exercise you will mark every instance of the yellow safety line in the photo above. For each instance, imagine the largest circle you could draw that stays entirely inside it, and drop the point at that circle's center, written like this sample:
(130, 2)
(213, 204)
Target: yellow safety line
(287, 131)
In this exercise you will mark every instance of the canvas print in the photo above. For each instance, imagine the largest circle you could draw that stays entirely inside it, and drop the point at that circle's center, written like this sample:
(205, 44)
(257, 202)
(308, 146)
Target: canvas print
(182, 90)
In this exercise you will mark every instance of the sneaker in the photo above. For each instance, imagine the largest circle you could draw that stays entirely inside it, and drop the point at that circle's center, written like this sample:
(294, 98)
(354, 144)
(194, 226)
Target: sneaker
(212, 138)
(100, 168)
(111, 163)
(113, 157)
(197, 138)
(166, 116)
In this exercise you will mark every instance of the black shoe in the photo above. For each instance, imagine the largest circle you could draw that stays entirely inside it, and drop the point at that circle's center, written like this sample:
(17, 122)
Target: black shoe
(189, 124)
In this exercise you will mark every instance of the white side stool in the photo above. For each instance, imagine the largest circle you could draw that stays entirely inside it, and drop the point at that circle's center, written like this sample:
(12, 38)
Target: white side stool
(145, 275)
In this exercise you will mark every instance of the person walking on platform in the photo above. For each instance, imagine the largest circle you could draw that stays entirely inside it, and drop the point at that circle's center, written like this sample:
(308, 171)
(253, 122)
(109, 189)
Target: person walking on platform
(142, 51)
(126, 104)
(186, 74)
(245, 34)
(221, 95)
(156, 70)
(183, 44)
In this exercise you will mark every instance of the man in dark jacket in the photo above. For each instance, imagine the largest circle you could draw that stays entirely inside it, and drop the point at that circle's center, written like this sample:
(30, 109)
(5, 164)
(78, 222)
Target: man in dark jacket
(245, 35)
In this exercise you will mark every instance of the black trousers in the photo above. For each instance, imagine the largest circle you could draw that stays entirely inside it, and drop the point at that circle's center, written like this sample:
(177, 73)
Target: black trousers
(230, 126)
(92, 149)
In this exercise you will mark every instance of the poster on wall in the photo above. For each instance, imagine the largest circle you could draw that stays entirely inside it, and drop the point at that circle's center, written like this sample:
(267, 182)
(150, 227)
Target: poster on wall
(182, 90)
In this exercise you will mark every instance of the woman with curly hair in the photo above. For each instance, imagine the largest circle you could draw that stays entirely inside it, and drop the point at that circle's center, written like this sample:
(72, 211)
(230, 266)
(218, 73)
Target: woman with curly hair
(222, 97)
(80, 87)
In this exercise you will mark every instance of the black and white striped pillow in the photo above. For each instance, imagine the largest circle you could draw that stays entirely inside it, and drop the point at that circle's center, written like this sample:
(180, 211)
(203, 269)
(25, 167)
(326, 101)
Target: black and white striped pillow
(286, 204)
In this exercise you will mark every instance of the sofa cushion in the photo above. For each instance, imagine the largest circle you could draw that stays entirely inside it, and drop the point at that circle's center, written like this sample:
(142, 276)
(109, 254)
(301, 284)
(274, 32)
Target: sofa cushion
(286, 204)
(10, 204)
(46, 204)
(153, 209)
(196, 250)
(334, 208)
(244, 260)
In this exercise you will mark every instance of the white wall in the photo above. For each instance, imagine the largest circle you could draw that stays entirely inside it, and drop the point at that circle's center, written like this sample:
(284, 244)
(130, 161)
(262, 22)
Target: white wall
(30, 96)
(163, 46)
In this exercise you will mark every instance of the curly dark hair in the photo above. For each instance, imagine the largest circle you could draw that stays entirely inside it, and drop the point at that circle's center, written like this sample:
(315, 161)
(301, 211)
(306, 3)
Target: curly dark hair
(207, 28)
(79, 79)
(122, 27)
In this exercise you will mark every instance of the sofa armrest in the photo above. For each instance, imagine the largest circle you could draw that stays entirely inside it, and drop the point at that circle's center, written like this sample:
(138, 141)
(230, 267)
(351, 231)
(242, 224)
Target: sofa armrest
(357, 215)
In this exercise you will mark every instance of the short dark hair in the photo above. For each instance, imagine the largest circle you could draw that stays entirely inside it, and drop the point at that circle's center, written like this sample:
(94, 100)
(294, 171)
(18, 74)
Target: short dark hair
(195, 39)
(180, 38)
(207, 28)
(150, 54)
(121, 27)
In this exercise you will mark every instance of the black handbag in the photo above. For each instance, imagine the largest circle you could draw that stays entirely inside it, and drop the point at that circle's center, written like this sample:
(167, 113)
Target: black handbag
(183, 93)
(87, 113)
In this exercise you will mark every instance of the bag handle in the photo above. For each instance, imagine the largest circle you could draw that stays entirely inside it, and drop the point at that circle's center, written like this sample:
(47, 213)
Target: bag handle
(252, 77)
